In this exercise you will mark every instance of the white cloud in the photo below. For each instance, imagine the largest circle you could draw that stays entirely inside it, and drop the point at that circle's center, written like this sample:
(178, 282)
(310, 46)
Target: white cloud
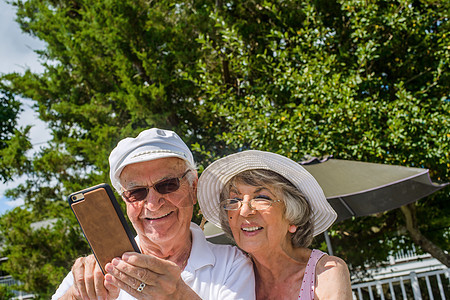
(14, 203)
(16, 52)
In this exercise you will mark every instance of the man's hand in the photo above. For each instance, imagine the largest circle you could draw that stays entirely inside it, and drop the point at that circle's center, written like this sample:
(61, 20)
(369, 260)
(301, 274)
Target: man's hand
(148, 277)
(88, 281)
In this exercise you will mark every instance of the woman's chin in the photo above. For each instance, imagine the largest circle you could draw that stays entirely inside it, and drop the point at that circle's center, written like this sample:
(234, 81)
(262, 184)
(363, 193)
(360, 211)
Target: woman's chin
(252, 246)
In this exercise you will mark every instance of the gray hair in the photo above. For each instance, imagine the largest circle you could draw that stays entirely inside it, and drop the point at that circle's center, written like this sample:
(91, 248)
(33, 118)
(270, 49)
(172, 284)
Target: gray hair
(297, 211)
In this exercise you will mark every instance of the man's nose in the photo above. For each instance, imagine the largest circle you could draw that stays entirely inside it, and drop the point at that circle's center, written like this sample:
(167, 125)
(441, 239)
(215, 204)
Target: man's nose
(154, 200)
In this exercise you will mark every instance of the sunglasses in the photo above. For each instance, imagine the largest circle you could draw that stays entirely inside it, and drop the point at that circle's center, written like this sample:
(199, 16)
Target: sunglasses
(165, 186)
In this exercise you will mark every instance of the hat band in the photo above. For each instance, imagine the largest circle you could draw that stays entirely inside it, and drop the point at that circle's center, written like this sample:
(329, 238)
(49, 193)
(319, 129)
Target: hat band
(159, 151)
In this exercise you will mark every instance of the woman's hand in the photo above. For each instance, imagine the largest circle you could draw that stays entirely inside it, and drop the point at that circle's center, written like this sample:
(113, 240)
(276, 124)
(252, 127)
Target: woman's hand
(144, 276)
(88, 281)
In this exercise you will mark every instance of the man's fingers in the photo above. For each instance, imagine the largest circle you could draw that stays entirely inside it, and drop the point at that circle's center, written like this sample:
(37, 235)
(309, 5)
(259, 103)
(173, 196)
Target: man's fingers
(88, 278)
(129, 277)
(78, 277)
(144, 293)
(128, 274)
(113, 291)
(157, 265)
(100, 290)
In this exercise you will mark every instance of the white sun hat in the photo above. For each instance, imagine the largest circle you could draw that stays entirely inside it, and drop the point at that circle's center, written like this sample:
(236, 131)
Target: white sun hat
(150, 144)
(216, 175)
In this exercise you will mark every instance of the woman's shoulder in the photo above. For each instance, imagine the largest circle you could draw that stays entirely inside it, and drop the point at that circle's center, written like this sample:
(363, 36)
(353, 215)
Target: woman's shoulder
(333, 278)
(331, 263)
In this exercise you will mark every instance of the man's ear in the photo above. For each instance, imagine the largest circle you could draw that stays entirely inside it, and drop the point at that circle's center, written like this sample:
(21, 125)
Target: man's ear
(194, 188)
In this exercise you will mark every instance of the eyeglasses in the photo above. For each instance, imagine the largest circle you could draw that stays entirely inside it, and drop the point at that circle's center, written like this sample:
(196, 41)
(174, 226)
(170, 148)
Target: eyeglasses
(254, 204)
(165, 186)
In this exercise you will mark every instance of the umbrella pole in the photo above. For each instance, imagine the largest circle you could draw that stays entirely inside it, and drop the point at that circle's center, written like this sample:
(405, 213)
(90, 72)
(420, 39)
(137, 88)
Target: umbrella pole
(328, 241)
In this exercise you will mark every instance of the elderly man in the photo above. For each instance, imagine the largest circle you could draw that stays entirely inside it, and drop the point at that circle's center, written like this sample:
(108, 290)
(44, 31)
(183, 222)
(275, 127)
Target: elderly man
(156, 176)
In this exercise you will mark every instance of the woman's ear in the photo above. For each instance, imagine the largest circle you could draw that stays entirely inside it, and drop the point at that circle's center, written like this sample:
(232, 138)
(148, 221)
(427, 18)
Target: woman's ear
(292, 228)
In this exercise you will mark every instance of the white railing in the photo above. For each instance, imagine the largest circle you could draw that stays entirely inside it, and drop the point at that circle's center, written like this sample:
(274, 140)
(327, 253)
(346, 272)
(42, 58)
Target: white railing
(406, 255)
(437, 284)
(9, 281)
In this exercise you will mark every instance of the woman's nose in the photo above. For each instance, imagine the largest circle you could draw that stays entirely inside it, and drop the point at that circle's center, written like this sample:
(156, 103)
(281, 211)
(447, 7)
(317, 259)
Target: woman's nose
(245, 208)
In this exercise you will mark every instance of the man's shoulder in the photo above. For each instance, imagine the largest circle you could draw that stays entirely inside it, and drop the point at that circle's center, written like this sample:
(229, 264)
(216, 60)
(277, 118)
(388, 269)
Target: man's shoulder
(206, 250)
(230, 257)
(228, 250)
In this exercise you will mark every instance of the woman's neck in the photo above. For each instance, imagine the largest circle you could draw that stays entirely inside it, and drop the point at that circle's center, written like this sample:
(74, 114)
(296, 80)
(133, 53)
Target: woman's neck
(280, 272)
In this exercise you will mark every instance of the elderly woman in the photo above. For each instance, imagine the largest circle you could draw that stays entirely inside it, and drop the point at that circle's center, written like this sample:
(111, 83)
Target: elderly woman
(273, 208)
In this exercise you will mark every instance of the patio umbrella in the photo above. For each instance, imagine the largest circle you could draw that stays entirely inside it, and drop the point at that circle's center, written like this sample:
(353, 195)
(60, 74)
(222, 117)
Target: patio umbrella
(356, 188)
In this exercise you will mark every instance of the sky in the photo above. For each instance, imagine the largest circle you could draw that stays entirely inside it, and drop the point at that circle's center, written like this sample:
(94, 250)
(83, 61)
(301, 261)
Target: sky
(16, 55)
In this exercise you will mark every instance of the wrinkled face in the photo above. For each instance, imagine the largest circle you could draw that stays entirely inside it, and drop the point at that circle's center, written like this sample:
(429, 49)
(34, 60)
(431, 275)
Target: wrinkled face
(160, 218)
(257, 230)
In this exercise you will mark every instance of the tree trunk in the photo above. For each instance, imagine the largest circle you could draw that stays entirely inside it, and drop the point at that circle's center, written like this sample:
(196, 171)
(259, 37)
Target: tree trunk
(411, 225)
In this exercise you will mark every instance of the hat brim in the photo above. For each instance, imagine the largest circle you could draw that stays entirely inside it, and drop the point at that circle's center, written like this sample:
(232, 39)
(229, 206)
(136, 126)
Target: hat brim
(215, 176)
(144, 157)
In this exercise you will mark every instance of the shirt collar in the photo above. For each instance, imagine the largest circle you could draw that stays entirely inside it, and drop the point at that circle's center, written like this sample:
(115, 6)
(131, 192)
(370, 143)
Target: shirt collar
(201, 254)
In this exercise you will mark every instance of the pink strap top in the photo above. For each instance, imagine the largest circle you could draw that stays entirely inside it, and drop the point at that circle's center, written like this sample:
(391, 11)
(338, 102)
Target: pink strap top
(309, 279)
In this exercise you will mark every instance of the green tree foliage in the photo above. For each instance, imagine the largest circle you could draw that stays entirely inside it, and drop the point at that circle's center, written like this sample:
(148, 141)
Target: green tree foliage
(111, 69)
(363, 80)
(10, 109)
(6, 292)
(13, 140)
(39, 254)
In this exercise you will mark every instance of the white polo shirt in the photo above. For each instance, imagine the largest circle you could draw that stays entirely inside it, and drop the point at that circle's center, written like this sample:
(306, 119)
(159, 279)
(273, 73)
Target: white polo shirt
(212, 271)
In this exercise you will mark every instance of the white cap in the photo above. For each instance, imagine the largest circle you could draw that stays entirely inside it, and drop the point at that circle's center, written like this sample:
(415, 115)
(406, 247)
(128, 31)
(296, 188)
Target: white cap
(149, 145)
(216, 175)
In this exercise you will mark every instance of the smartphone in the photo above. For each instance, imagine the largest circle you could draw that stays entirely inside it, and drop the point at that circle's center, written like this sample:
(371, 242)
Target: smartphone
(103, 223)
